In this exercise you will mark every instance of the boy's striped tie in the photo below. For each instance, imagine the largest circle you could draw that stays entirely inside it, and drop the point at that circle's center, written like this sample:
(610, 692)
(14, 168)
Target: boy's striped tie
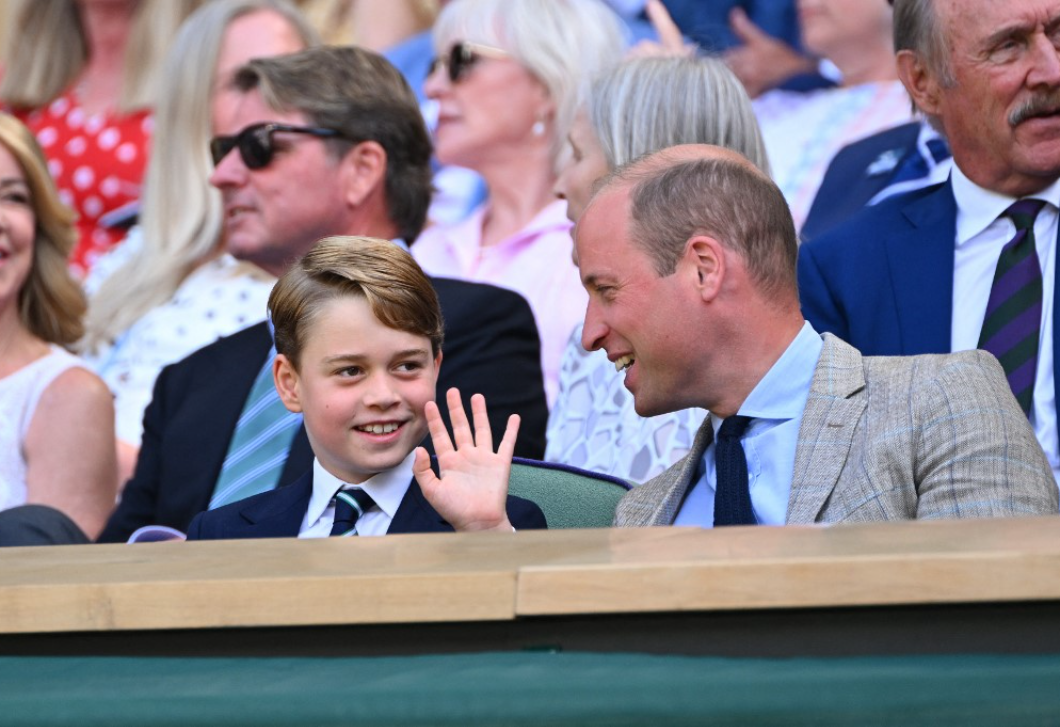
(349, 506)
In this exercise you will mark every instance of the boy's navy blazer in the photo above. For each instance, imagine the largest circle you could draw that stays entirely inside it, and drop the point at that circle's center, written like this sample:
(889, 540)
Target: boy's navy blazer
(279, 514)
(491, 346)
(883, 282)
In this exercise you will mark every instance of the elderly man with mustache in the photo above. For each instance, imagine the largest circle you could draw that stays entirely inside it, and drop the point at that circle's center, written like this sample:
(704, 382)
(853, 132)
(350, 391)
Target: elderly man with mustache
(969, 263)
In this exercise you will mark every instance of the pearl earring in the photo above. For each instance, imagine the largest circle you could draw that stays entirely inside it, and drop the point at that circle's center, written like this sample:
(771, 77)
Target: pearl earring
(538, 128)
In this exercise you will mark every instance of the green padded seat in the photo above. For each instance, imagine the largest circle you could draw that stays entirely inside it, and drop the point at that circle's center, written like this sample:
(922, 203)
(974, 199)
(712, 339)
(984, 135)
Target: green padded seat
(569, 497)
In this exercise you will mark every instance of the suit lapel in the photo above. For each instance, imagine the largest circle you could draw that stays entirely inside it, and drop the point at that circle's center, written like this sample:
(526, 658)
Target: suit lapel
(679, 479)
(833, 410)
(415, 515)
(280, 513)
(1056, 324)
(299, 457)
(921, 260)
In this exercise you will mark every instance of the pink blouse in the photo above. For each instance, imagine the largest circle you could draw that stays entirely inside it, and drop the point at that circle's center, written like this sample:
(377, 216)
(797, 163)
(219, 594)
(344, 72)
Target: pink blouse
(535, 262)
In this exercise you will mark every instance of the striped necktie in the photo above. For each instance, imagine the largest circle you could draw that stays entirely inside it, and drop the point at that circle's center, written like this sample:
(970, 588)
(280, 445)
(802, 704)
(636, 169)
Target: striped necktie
(260, 443)
(732, 498)
(1013, 320)
(349, 506)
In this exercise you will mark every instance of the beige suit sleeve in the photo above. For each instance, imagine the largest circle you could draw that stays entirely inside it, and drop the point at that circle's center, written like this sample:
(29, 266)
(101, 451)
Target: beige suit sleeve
(977, 454)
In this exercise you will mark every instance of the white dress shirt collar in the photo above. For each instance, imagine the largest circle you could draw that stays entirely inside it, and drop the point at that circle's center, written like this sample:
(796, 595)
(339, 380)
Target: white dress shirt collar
(387, 490)
(978, 208)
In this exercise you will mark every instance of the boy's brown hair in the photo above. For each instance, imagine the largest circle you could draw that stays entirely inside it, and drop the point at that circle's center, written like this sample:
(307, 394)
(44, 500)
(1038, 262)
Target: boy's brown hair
(398, 292)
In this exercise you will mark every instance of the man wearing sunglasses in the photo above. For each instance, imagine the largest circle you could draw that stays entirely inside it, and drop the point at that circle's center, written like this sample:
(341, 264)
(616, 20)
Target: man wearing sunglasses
(325, 142)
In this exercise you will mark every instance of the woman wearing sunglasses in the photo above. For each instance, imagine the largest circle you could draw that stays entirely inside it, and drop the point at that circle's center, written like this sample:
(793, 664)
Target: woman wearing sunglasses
(168, 289)
(506, 82)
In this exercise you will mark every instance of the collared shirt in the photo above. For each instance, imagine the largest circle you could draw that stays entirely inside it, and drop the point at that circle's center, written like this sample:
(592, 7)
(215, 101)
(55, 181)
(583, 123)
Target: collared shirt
(776, 405)
(386, 488)
(981, 234)
(534, 262)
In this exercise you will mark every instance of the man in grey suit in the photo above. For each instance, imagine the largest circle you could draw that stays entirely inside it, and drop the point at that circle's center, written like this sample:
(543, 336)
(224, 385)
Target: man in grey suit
(689, 260)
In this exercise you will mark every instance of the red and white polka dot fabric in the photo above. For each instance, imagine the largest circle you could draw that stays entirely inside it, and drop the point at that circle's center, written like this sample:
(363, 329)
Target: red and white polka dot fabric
(97, 161)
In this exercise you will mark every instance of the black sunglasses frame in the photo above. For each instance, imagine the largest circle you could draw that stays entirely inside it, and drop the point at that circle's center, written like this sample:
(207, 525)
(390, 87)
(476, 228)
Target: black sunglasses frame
(255, 142)
(462, 56)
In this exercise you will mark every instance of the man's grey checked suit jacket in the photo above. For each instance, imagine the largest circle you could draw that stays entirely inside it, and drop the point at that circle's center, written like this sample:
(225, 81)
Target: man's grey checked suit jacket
(892, 438)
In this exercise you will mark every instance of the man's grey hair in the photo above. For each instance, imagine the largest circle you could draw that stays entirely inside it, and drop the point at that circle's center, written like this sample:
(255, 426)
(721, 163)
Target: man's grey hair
(917, 29)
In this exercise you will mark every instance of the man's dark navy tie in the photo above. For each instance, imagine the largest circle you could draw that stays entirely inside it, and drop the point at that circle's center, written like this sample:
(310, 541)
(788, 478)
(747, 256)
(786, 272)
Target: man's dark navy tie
(349, 506)
(1013, 320)
(732, 498)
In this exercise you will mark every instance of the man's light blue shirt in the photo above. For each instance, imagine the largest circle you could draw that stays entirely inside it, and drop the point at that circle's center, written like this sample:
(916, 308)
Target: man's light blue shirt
(776, 406)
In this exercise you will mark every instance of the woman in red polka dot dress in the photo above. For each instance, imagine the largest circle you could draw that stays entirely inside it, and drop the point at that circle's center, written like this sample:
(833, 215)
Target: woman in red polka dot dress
(80, 74)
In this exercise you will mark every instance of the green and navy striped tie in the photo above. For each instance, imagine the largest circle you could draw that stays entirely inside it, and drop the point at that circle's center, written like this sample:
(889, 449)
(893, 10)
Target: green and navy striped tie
(1013, 320)
(350, 504)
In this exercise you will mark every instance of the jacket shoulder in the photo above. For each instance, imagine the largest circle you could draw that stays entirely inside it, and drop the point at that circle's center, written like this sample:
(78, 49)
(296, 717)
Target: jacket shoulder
(873, 223)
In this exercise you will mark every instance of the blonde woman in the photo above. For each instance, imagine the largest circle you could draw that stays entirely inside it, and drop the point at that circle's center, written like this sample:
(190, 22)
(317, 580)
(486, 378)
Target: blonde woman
(82, 75)
(169, 289)
(57, 428)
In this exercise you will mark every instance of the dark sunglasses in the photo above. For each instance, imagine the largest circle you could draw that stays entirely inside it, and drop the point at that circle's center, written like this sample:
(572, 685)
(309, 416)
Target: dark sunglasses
(462, 56)
(255, 142)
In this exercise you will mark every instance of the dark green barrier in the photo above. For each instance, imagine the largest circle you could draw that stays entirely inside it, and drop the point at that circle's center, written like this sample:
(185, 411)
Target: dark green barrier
(532, 689)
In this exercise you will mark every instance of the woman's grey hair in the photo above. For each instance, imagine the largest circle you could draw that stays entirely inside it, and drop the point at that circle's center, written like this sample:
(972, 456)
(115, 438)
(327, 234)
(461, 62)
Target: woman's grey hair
(563, 43)
(181, 215)
(917, 29)
(643, 105)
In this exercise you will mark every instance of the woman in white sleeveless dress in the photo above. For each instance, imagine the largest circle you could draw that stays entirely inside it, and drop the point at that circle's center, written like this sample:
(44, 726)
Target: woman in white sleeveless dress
(56, 417)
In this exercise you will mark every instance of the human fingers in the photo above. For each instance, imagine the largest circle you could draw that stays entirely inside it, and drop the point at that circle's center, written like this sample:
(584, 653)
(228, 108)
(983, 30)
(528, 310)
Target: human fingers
(483, 435)
(669, 34)
(461, 427)
(421, 470)
(439, 435)
(744, 29)
(507, 446)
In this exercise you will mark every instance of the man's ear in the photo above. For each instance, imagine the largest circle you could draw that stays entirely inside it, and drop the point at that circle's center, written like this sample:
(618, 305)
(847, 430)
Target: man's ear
(285, 376)
(919, 81)
(706, 264)
(363, 171)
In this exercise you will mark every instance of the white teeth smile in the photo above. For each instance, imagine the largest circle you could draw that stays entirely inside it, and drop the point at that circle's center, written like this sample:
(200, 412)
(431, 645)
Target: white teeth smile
(623, 363)
(379, 428)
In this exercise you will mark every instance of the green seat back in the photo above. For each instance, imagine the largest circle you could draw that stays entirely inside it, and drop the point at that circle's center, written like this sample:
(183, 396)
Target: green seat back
(570, 498)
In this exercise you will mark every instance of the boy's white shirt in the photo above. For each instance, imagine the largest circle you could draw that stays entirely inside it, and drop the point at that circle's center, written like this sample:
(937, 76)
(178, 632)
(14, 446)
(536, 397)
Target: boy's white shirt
(387, 489)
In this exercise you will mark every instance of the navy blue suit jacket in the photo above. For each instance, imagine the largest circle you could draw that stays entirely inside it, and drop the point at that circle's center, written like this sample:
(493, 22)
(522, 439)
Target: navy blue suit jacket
(279, 514)
(883, 281)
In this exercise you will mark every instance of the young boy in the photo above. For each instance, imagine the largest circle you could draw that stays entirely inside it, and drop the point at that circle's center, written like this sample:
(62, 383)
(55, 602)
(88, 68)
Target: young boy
(358, 334)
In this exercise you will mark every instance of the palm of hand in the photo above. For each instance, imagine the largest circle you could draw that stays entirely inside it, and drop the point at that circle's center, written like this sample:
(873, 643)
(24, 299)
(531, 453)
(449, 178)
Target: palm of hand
(472, 491)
